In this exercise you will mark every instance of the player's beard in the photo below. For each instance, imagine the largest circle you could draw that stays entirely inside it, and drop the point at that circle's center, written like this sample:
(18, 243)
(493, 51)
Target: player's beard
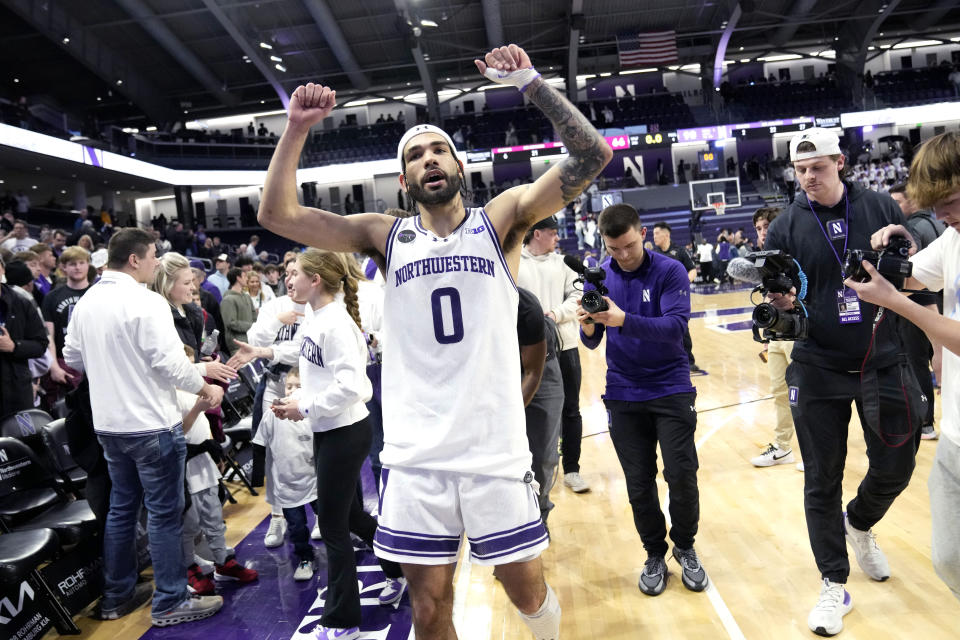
(441, 196)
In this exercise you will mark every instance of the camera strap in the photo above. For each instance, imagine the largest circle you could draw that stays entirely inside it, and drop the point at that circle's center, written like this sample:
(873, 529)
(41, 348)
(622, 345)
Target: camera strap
(846, 236)
(848, 303)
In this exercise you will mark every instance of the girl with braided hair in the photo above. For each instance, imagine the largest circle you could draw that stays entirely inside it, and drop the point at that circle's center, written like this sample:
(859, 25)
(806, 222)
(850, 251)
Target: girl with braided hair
(333, 358)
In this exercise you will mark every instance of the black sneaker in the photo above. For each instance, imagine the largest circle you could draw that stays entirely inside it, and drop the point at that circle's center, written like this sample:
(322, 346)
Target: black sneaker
(692, 573)
(653, 580)
(141, 595)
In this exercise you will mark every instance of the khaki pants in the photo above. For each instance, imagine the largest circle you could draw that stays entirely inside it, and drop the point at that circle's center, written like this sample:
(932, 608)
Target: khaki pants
(778, 357)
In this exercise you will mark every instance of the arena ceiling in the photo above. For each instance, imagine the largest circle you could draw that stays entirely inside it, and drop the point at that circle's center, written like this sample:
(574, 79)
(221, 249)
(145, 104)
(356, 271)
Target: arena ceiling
(149, 61)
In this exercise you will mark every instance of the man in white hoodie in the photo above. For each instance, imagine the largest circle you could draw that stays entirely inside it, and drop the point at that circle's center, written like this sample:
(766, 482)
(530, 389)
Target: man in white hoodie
(543, 272)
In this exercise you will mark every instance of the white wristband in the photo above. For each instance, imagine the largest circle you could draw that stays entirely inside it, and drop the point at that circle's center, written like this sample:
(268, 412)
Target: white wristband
(521, 78)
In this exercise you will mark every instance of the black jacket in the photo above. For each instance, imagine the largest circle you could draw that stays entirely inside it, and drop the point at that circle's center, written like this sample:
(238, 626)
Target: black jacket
(26, 329)
(189, 327)
(832, 345)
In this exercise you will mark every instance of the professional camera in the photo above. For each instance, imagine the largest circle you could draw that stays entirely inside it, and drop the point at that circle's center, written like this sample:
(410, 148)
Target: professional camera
(592, 301)
(891, 262)
(777, 272)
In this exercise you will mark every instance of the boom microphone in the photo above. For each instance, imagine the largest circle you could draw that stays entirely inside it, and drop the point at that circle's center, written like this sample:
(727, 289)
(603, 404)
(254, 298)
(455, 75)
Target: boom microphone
(743, 270)
(575, 264)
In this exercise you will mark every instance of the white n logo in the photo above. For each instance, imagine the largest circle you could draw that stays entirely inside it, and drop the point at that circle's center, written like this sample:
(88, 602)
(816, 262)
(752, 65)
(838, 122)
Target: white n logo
(837, 227)
(25, 591)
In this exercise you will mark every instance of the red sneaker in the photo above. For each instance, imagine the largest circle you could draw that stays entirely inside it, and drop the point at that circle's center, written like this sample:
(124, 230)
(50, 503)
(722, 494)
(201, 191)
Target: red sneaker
(233, 570)
(199, 583)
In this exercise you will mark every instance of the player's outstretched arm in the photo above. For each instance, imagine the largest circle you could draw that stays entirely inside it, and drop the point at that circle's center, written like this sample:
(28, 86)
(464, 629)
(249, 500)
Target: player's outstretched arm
(280, 210)
(589, 152)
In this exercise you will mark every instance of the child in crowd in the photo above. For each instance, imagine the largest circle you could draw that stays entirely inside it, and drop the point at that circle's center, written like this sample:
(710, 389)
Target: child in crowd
(293, 478)
(205, 513)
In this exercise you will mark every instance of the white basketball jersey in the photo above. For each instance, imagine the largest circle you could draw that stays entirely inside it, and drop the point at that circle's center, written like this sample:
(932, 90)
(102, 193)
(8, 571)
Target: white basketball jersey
(451, 368)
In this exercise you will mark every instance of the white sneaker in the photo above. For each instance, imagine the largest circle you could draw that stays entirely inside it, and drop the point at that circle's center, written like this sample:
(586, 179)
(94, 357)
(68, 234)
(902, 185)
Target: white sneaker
(315, 532)
(771, 456)
(800, 466)
(304, 571)
(826, 618)
(869, 556)
(576, 482)
(274, 537)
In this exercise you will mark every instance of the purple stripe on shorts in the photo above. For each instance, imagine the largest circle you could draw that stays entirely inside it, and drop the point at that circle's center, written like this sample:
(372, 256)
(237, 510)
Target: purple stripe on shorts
(507, 552)
(384, 476)
(404, 543)
(414, 534)
(503, 533)
(413, 554)
(492, 548)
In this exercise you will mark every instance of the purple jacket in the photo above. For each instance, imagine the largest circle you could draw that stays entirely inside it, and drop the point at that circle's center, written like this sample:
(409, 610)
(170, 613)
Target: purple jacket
(645, 357)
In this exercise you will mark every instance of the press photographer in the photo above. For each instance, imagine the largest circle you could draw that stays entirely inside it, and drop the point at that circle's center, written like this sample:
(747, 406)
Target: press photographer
(648, 394)
(935, 184)
(846, 357)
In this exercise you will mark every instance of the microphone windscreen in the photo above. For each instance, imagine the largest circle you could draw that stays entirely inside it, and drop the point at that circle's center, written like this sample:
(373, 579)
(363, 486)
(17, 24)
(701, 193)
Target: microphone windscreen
(743, 270)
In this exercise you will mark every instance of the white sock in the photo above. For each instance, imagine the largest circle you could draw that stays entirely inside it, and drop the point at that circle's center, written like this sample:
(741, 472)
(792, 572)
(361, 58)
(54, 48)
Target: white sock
(276, 511)
(545, 623)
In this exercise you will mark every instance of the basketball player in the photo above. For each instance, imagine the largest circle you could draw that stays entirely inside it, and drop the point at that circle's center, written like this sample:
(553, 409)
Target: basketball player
(455, 453)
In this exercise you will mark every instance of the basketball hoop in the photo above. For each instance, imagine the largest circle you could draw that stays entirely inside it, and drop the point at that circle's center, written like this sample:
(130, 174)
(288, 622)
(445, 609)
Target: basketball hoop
(719, 207)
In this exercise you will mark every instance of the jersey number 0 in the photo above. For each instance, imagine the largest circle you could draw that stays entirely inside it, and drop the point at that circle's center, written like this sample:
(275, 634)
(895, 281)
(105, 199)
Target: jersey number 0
(444, 334)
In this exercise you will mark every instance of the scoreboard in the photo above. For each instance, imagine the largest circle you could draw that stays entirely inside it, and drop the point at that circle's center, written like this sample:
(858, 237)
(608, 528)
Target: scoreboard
(527, 152)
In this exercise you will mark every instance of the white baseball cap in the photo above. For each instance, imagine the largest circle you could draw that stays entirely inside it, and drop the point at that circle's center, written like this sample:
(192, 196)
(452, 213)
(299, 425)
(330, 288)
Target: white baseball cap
(417, 130)
(826, 143)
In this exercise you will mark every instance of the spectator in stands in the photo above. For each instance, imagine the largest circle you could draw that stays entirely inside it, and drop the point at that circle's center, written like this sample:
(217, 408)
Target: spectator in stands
(122, 337)
(19, 239)
(98, 260)
(681, 172)
(21, 338)
(208, 298)
(629, 182)
(85, 242)
(257, 292)
(237, 310)
(663, 244)
(954, 79)
(23, 203)
(181, 239)
(46, 263)
(271, 274)
(219, 278)
(203, 284)
(790, 180)
(251, 251)
(510, 137)
(58, 242)
(244, 263)
(57, 309)
(206, 250)
(175, 282)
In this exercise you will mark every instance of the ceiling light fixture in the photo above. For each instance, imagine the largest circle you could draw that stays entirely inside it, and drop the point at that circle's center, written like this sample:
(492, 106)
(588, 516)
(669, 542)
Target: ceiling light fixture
(66, 39)
(264, 45)
(276, 58)
(280, 67)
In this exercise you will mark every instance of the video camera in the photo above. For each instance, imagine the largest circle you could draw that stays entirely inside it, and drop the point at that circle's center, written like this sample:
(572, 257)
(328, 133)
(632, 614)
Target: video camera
(892, 262)
(774, 272)
(592, 301)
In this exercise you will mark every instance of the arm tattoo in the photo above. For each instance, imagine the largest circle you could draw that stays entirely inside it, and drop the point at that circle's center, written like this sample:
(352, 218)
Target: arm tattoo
(582, 140)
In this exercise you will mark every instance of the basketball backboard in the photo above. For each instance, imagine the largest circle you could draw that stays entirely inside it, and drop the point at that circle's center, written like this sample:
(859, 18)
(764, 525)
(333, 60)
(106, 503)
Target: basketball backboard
(704, 194)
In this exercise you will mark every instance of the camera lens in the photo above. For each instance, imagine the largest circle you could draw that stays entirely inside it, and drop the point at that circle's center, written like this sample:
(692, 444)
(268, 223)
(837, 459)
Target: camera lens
(765, 315)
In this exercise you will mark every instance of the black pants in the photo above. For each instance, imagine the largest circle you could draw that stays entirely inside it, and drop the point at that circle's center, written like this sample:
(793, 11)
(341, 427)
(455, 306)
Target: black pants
(820, 402)
(919, 351)
(706, 272)
(259, 451)
(571, 429)
(338, 455)
(636, 428)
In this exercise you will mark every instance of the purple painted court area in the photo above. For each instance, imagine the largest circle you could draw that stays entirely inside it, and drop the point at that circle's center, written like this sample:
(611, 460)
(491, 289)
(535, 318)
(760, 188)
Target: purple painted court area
(720, 312)
(744, 325)
(278, 608)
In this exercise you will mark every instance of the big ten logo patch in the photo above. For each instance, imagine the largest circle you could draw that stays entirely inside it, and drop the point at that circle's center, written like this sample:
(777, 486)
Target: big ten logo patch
(379, 622)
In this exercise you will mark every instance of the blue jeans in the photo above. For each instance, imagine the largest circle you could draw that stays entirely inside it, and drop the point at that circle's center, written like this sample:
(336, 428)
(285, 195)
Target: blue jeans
(300, 531)
(148, 468)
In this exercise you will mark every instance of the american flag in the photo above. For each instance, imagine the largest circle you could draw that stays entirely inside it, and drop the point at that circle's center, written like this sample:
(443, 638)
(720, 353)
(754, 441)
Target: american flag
(647, 49)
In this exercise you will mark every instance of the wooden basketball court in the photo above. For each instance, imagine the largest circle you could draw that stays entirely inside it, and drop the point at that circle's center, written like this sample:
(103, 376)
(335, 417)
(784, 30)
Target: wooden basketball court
(752, 539)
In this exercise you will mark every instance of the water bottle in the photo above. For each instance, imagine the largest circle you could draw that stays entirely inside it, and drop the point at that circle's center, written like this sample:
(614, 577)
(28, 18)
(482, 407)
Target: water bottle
(210, 343)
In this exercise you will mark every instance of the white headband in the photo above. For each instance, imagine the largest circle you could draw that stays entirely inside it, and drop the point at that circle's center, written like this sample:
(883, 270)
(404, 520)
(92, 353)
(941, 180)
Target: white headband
(417, 130)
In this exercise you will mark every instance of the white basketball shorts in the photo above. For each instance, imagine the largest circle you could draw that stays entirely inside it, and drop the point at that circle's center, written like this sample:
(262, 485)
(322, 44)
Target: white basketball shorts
(424, 514)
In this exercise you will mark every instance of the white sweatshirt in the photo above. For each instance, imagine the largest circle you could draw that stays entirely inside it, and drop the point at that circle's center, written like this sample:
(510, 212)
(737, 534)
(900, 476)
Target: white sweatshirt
(333, 360)
(551, 281)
